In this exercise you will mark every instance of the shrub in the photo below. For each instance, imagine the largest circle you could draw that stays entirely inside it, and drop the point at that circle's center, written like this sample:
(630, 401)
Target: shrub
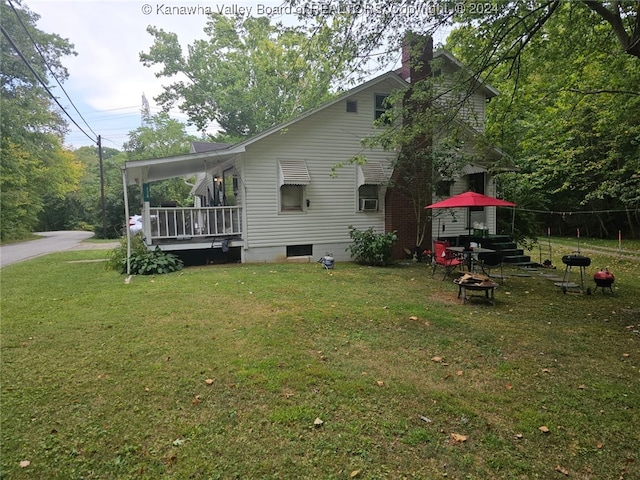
(142, 261)
(371, 248)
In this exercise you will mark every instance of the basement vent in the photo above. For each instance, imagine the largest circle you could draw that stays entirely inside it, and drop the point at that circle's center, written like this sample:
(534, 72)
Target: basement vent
(352, 106)
(299, 250)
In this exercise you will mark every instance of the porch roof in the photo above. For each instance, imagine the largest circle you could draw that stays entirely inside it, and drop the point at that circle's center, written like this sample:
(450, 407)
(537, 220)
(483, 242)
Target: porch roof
(152, 170)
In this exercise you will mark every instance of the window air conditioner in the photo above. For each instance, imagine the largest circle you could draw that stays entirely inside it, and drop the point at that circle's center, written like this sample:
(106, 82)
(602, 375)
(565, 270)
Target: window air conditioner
(368, 204)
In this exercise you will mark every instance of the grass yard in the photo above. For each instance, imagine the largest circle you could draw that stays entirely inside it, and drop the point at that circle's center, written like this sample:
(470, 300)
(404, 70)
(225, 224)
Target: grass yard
(221, 371)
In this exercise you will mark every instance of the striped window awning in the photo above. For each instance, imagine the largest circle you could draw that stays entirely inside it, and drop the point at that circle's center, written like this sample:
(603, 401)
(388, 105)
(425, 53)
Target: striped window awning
(469, 169)
(371, 173)
(293, 172)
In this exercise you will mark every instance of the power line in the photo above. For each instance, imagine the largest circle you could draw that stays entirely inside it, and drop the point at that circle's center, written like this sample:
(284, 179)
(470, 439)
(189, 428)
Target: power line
(44, 85)
(49, 68)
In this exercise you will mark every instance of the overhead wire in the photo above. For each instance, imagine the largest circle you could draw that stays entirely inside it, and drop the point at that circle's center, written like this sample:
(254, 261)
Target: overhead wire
(49, 66)
(44, 84)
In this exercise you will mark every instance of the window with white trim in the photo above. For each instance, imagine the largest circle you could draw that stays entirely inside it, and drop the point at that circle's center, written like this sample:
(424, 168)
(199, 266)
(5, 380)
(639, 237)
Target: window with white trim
(293, 176)
(370, 177)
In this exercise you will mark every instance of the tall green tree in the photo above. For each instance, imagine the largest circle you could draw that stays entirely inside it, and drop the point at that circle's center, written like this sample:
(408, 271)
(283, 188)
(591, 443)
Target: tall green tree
(571, 119)
(247, 74)
(34, 168)
(568, 74)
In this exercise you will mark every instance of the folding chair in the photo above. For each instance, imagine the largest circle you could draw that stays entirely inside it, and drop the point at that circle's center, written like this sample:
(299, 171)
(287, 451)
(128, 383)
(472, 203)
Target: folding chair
(489, 261)
(444, 258)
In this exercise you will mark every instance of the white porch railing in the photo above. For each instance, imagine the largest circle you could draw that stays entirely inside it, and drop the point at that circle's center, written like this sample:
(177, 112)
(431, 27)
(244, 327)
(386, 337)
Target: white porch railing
(183, 223)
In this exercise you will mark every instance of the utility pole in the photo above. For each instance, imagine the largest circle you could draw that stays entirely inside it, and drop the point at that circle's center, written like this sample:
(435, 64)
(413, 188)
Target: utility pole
(102, 202)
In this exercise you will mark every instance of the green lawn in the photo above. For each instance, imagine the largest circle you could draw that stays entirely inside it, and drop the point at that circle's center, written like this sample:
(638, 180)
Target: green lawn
(221, 371)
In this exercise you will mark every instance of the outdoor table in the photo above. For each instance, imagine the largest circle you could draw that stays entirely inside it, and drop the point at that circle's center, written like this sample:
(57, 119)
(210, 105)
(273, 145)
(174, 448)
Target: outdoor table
(469, 253)
(486, 286)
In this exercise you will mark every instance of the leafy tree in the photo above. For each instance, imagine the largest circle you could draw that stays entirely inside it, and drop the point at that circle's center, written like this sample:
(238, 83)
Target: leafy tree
(569, 76)
(34, 169)
(571, 120)
(162, 136)
(87, 200)
(248, 74)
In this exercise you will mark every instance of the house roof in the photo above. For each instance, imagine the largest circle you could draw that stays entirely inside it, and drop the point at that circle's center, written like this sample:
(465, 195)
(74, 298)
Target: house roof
(206, 155)
(484, 86)
(156, 169)
(200, 147)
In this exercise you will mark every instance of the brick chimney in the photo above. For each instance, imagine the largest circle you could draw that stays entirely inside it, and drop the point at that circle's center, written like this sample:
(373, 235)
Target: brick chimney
(400, 214)
(417, 55)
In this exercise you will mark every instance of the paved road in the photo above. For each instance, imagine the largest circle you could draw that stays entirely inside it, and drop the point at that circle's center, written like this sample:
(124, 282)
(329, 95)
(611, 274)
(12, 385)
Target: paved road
(53, 242)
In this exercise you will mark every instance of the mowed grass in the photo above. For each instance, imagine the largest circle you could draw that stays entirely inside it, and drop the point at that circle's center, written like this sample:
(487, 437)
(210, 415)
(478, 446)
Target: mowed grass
(221, 371)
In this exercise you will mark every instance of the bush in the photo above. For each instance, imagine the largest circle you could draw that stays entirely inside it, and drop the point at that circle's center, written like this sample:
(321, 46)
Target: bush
(370, 248)
(142, 261)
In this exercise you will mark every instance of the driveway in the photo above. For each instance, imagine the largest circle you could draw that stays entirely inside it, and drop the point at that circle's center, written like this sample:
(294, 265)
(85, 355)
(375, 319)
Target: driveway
(53, 242)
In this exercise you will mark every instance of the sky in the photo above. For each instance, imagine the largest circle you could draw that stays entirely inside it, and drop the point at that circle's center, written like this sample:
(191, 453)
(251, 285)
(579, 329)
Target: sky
(106, 78)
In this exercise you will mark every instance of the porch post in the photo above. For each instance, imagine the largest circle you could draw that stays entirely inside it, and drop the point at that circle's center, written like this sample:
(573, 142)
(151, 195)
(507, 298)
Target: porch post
(126, 216)
(146, 215)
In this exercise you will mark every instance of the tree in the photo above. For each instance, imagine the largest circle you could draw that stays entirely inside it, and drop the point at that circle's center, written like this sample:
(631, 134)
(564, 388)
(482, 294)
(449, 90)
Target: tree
(162, 136)
(571, 120)
(568, 72)
(248, 75)
(34, 169)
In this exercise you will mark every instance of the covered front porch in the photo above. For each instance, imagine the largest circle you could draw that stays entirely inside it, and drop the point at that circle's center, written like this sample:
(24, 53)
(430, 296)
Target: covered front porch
(216, 220)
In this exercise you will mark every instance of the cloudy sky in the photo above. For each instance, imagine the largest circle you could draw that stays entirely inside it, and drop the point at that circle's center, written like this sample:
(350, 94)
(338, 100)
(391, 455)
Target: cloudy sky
(106, 78)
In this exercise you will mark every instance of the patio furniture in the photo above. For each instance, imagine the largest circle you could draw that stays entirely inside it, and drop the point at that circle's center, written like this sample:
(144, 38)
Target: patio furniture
(445, 258)
(489, 261)
(469, 255)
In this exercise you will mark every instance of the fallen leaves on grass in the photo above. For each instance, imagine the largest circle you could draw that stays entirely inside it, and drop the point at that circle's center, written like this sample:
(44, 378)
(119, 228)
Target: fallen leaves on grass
(196, 400)
(380, 383)
(318, 422)
(436, 359)
(209, 381)
(562, 470)
(456, 437)
(25, 463)
(354, 474)
(544, 429)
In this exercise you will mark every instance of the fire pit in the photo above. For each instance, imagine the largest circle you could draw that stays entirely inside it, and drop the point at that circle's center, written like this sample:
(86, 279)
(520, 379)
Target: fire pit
(604, 279)
(570, 261)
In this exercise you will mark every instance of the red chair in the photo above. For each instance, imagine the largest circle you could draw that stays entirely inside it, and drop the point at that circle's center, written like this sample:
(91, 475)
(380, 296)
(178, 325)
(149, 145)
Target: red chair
(444, 258)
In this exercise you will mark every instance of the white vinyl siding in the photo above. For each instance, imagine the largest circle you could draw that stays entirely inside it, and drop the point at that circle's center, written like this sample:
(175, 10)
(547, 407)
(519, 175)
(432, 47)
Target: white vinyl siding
(445, 216)
(472, 109)
(324, 139)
